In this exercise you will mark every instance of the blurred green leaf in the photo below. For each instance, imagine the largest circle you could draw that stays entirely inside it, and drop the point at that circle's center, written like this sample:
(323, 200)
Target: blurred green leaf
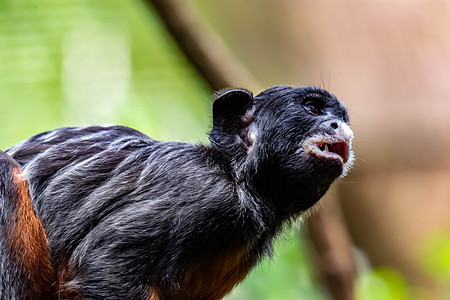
(381, 284)
(436, 256)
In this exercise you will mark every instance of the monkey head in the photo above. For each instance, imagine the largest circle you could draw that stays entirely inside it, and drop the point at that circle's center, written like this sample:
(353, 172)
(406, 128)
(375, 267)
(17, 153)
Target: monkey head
(291, 142)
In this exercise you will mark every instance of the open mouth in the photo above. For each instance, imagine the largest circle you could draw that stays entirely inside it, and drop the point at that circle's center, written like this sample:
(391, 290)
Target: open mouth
(334, 150)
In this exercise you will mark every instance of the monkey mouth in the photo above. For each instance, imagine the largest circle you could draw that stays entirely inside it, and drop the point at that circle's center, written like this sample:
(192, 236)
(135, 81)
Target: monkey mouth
(333, 150)
(329, 148)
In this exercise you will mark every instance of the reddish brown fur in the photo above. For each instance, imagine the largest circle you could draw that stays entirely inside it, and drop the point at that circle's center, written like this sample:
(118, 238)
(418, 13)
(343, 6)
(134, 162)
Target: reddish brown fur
(29, 241)
(153, 296)
(211, 279)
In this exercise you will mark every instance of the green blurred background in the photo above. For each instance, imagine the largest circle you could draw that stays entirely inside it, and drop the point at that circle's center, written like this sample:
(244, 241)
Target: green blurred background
(65, 63)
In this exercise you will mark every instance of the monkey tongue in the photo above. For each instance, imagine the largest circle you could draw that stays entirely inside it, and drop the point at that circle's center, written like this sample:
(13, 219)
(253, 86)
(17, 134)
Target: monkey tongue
(331, 149)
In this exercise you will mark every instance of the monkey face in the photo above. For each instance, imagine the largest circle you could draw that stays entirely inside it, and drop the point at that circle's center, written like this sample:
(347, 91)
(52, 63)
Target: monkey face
(327, 142)
(305, 130)
(295, 141)
(304, 138)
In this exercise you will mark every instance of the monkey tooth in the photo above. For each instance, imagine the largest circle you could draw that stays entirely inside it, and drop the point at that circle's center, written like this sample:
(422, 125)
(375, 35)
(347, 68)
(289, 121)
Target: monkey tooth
(324, 147)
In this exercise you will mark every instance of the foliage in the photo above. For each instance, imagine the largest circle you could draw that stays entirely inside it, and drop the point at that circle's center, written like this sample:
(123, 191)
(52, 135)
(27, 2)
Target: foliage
(435, 259)
(381, 284)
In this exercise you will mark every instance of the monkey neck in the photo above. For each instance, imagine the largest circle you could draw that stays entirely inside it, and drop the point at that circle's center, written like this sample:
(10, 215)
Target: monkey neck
(240, 169)
(229, 160)
(287, 194)
(269, 197)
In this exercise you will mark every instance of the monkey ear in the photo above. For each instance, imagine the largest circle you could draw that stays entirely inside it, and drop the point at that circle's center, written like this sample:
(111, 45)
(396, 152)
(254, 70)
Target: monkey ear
(232, 113)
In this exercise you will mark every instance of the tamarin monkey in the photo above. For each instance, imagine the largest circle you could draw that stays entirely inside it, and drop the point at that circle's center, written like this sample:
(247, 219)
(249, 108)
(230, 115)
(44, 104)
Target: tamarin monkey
(105, 212)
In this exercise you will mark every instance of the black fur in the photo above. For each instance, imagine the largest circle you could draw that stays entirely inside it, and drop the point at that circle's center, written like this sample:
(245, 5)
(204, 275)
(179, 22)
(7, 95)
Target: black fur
(127, 217)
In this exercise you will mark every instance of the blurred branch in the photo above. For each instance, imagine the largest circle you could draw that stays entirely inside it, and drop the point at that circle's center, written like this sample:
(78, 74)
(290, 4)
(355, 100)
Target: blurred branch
(220, 69)
(206, 52)
(330, 237)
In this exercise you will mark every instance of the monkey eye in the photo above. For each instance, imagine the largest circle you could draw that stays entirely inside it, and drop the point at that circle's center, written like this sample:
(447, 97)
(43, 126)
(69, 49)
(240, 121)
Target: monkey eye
(313, 108)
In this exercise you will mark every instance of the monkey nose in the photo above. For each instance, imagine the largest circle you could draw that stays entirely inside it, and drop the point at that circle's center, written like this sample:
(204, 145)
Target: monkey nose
(339, 129)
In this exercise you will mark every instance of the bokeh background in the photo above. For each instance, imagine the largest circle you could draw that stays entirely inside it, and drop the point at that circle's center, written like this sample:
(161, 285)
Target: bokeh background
(79, 62)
